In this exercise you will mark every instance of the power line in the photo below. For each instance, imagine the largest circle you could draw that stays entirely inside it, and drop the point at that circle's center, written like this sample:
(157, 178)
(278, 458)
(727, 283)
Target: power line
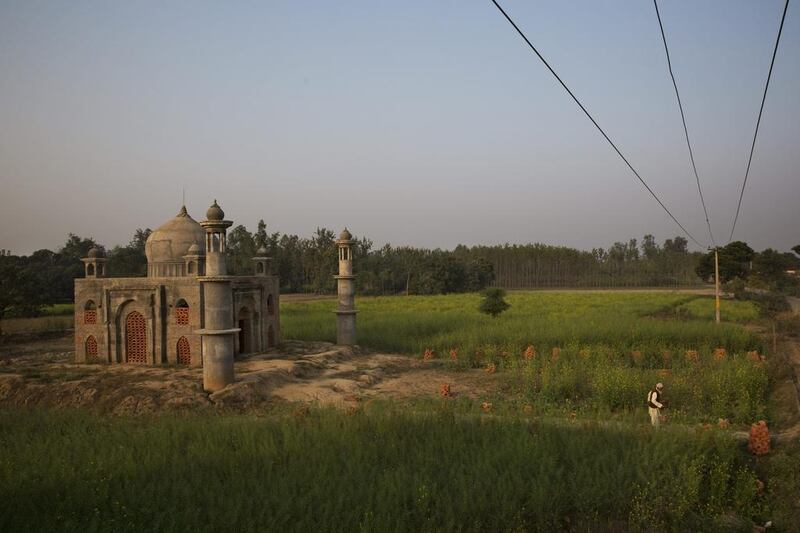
(614, 146)
(683, 119)
(758, 122)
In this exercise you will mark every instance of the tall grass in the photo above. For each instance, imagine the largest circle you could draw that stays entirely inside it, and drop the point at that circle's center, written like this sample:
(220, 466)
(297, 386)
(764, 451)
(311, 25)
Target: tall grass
(376, 470)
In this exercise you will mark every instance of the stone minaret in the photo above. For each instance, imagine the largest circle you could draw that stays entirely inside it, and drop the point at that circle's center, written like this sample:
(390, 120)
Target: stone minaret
(262, 263)
(218, 331)
(346, 313)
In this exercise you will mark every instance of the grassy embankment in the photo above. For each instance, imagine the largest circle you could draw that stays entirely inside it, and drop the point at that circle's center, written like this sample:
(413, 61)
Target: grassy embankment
(613, 347)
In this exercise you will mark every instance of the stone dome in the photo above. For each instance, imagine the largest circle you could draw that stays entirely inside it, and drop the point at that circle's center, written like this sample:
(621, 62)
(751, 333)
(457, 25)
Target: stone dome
(95, 252)
(215, 212)
(262, 252)
(173, 239)
(345, 235)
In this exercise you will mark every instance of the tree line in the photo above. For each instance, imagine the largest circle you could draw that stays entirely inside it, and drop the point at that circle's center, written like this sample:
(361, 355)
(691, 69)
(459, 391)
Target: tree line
(307, 264)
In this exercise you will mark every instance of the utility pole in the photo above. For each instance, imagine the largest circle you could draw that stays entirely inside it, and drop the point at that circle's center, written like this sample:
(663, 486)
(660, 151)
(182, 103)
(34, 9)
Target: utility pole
(716, 282)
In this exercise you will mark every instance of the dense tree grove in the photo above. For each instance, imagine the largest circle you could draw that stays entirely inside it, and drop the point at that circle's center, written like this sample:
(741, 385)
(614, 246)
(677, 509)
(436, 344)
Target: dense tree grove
(768, 270)
(308, 265)
(624, 264)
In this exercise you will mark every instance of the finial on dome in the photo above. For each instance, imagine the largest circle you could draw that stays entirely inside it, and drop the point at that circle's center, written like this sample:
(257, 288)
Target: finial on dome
(182, 212)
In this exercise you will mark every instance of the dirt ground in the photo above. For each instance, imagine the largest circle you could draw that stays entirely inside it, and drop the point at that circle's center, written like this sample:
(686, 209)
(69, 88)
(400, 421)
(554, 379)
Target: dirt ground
(41, 373)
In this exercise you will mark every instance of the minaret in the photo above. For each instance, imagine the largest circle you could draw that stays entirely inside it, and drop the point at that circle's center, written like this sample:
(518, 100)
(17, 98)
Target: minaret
(346, 313)
(262, 263)
(218, 332)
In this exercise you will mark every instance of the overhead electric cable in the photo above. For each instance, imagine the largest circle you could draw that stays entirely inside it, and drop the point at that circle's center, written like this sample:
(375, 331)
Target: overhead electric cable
(614, 146)
(758, 122)
(683, 119)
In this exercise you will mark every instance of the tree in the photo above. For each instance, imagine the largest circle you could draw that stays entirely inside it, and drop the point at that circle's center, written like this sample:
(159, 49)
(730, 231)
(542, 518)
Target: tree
(480, 273)
(140, 239)
(19, 287)
(130, 260)
(650, 248)
(734, 262)
(493, 302)
(240, 248)
(770, 268)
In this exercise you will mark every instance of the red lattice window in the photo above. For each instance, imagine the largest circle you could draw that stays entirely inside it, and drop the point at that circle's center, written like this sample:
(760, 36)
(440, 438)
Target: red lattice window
(91, 347)
(182, 316)
(90, 316)
(184, 352)
(135, 338)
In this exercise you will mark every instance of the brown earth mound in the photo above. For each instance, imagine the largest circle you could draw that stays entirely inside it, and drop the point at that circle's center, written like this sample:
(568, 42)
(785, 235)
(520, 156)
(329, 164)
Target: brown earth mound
(310, 373)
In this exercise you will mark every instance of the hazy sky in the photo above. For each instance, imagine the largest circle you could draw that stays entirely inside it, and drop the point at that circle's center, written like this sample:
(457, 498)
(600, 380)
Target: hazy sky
(412, 122)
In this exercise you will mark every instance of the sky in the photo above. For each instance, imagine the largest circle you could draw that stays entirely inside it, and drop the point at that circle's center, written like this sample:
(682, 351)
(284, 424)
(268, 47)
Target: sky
(415, 123)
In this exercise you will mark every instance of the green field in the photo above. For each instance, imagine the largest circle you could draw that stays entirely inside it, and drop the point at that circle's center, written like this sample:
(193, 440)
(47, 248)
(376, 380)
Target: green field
(375, 470)
(566, 446)
(613, 348)
(618, 320)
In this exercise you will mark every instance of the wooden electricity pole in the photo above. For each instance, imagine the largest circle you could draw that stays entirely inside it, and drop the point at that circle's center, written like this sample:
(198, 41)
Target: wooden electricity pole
(716, 282)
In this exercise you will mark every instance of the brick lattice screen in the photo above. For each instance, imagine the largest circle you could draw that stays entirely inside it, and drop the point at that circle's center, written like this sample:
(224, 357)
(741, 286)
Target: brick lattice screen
(136, 338)
(90, 316)
(182, 316)
(184, 352)
(91, 347)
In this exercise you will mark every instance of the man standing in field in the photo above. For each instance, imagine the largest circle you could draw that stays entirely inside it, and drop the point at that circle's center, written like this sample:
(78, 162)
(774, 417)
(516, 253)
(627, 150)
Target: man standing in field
(654, 404)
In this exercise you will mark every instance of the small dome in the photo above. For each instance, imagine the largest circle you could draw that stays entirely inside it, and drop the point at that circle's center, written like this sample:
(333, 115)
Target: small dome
(173, 239)
(345, 235)
(95, 252)
(215, 212)
(262, 252)
(195, 250)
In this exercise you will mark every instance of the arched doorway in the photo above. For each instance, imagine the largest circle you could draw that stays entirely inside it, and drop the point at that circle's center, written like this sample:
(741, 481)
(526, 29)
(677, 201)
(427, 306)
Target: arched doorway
(244, 330)
(184, 352)
(135, 338)
(91, 348)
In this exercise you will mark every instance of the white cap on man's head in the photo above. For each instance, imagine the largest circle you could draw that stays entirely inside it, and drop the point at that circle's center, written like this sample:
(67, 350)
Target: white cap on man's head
(659, 385)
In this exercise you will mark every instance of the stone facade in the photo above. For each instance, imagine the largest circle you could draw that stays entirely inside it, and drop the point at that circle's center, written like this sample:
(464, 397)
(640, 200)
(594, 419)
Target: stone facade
(160, 319)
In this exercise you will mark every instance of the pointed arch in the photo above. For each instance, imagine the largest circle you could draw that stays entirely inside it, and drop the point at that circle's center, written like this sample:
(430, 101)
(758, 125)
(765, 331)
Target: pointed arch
(135, 338)
(90, 313)
(91, 349)
(182, 313)
(184, 352)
